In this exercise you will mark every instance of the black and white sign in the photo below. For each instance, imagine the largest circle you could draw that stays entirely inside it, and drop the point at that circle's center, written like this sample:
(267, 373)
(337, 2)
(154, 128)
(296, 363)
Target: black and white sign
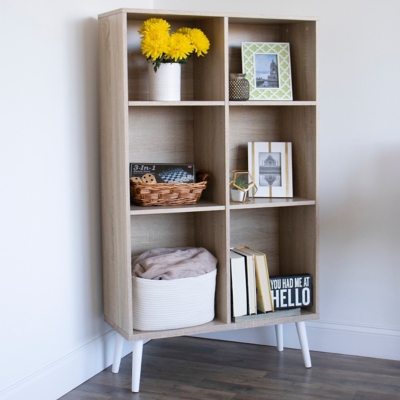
(291, 291)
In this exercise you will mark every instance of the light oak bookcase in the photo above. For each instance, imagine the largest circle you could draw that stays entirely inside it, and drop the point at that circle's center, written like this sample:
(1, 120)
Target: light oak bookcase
(208, 130)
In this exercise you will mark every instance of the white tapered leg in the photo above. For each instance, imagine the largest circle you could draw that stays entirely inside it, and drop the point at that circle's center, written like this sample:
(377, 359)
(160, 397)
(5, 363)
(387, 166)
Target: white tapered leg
(301, 331)
(137, 352)
(119, 344)
(279, 337)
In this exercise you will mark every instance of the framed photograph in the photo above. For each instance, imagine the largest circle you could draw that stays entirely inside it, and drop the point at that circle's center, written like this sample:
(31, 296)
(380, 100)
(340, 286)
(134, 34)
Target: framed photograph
(267, 68)
(270, 164)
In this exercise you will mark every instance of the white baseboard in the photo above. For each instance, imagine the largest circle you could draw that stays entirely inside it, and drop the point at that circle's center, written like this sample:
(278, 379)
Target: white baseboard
(60, 377)
(326, 337)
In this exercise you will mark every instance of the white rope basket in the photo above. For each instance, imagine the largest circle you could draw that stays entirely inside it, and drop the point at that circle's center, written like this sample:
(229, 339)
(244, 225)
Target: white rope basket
(172, 304)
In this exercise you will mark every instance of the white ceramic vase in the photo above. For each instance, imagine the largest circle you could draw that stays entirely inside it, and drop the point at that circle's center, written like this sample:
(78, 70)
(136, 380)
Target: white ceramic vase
(165, 84)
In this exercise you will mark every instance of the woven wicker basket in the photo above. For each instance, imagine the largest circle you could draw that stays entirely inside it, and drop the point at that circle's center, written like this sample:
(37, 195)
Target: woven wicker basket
(167, 194)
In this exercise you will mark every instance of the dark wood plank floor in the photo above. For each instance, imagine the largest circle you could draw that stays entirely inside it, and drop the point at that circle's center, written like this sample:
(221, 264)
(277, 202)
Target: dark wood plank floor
(192, 368)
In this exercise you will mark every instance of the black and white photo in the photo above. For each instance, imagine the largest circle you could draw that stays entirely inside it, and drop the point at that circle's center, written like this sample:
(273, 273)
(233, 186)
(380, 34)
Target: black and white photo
(270, 165)
(269, 169)
(266, 67)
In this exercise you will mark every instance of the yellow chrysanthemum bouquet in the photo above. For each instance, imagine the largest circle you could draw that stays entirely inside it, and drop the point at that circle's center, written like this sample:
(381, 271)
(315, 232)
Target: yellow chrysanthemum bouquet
(159, 46)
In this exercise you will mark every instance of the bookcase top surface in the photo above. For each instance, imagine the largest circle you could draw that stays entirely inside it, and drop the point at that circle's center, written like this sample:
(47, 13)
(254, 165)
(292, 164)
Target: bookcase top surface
(237, 18)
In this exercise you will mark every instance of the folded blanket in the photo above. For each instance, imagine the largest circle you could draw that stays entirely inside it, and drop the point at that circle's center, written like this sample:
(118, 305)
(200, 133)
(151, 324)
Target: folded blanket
(173, 263)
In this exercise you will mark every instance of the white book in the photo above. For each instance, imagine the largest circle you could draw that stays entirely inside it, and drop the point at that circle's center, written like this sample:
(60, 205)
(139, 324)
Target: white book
(238, 285)
(251, 281)
(264, 295)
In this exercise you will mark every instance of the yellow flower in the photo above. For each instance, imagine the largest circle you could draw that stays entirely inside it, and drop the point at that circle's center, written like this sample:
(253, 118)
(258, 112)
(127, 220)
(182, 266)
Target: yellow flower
(154, 24)
(185, 31)
(155, 44)
(199, 41)
(160, 47)
(179, 47)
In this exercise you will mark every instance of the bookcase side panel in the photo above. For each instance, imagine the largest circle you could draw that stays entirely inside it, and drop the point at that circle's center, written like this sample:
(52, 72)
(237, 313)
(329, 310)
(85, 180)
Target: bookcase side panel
(302, 39)
(299, 126)
(211, 233)
(114, 172)
(208, 82)
(209, 150)
(298, 244)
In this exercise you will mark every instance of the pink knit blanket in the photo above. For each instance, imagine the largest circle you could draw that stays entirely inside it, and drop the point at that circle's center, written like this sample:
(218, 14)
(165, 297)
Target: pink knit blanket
(173, 263)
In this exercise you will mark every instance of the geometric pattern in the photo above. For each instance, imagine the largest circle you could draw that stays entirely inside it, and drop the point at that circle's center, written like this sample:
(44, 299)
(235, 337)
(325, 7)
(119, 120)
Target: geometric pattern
(284, 91)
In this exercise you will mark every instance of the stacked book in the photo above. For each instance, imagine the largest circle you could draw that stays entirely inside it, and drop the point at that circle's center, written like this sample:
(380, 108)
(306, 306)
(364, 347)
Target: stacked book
(255, 293)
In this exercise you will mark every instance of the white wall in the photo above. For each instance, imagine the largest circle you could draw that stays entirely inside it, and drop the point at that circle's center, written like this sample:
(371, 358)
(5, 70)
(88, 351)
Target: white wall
(359, 163)
(52, 335)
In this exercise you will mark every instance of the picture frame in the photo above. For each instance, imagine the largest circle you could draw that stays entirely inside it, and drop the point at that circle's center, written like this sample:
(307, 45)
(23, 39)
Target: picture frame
(270, 164)
(268, 70)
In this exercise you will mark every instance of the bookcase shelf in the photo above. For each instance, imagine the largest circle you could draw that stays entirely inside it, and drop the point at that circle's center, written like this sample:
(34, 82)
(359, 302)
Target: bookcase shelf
(175, 103)
(263, 103)
(208, 130)
(219, 326)
(271, 202)
(201, 206)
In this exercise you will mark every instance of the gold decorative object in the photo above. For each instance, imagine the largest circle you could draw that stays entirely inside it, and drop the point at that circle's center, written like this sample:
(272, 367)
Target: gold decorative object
(241, 183)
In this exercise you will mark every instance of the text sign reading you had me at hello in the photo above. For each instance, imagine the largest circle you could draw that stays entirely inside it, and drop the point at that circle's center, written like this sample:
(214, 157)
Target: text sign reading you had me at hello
(291, 291)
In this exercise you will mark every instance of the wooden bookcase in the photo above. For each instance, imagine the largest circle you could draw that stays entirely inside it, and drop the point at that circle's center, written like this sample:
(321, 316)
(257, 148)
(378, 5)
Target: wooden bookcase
(206, 129)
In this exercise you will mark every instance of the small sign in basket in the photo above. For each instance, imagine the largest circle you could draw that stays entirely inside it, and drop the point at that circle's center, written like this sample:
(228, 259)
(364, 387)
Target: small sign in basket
(168, 194)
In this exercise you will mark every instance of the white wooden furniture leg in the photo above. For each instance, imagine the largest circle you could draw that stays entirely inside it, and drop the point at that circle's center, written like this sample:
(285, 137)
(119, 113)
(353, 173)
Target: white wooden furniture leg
(301, 331)
(137, 352)
(279, 337)
(119, 344)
